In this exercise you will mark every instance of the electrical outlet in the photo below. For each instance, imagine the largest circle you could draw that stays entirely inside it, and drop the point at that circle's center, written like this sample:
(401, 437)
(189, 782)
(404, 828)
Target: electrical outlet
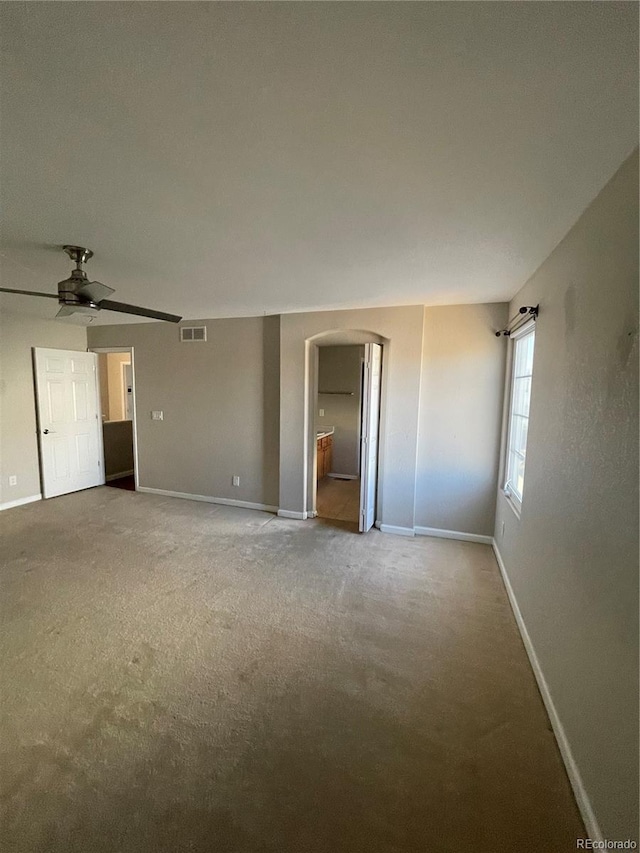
(321, 413)
(235, 481)
(13, 480)
(157, 416)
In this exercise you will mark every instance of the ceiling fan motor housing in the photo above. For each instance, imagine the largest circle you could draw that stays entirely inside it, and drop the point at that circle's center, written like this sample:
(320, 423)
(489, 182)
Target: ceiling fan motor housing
(68, 289)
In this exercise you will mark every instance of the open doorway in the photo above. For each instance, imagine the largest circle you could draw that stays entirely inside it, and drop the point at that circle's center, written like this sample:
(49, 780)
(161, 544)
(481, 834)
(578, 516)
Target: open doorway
(338, 424)
(117, 404)
(346, 430)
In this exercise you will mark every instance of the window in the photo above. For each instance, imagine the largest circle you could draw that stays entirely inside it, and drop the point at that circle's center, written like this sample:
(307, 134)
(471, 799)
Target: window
(522, 370)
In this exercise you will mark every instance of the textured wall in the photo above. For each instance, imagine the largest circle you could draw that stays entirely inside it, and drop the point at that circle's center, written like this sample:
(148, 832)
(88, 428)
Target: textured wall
(220, 404)
(460, 416)
(572, 557)
(18, 439)
(340, 370)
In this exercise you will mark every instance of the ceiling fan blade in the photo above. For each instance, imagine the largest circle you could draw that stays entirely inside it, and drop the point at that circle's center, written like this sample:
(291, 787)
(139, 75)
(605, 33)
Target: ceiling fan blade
(94, 291)
(29, 292)
(81, 314)
(123, 308)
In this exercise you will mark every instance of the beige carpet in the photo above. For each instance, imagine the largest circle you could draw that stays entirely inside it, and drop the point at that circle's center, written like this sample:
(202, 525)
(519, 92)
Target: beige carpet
(184, 677)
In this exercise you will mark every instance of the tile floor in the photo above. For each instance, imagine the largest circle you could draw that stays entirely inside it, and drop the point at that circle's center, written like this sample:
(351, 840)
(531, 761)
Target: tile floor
(338, 499)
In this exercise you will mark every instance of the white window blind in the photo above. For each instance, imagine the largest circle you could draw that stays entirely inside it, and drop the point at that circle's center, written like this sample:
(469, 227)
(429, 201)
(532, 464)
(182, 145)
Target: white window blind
(522, 371)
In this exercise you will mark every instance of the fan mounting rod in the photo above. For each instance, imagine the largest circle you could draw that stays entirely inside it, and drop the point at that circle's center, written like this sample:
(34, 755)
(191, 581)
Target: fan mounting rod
(78, 254)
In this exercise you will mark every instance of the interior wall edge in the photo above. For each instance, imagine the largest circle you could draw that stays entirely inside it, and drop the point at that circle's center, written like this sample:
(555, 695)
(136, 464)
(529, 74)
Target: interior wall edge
(207, 499)
(396, 530)
(453, 534)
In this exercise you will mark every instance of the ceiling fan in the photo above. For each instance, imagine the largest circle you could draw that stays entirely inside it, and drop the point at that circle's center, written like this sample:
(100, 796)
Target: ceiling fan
(78, 295)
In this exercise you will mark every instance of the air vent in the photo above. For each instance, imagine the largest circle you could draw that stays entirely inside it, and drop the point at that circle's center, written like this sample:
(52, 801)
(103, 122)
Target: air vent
(193, 333)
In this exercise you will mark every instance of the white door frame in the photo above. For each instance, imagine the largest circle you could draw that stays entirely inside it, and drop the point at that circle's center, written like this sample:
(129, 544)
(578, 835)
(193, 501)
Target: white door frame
(133, 404)
(311, 405)
(123, 380)
(370, 433)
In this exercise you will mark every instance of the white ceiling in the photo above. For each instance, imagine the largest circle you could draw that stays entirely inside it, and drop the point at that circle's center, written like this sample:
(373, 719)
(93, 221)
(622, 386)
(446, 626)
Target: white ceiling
(226, 159)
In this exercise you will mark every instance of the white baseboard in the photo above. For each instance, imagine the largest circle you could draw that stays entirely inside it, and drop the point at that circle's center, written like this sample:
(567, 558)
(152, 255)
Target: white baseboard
(208, 499)
(288, 513)
(343, 476)
(397, 531)
(119, 475)
(453, 534)
(582, 798)
(20, 502)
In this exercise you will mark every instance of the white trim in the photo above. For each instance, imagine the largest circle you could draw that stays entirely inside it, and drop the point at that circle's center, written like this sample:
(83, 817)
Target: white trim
(109, 349)
(119, 475)
(454, 534)
(344, 476)
(579, 791)
(397, 531)
(123, 388)
(20, 502)
(207, 499)
(288, 513)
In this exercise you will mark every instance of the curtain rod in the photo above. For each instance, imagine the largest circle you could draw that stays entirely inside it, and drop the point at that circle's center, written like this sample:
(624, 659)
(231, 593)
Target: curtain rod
(525, 313)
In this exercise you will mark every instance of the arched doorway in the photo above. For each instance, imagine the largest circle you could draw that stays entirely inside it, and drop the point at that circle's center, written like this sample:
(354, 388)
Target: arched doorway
(344, 396)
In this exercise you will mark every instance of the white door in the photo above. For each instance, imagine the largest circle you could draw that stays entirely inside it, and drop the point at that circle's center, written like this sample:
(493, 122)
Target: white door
(369, 435)
(68, 425)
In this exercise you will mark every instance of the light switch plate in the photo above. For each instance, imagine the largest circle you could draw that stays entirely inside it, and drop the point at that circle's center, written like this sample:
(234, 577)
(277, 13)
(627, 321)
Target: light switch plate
(321, 413)
(157, 416)
(236, 480)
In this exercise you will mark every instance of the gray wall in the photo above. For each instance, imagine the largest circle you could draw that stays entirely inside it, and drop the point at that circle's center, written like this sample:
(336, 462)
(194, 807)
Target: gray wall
(340, 370)
(220, 404)
(572, 557)
(18, 439)
(460, 415)
(118, 447)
